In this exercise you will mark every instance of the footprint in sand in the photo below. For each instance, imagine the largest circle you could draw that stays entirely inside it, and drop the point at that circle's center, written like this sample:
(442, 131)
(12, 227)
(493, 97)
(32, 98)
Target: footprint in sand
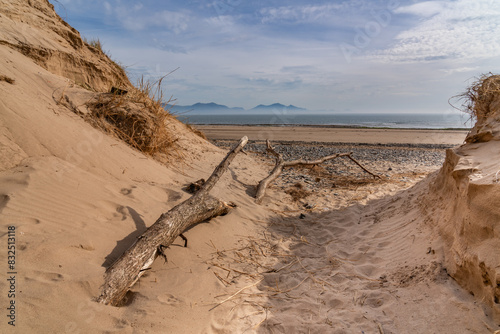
(173, 195)
(332, 302)
(4, 199)
(86, 247)
(383, 244)
(367, 270)
(122, 212)
(169, 299)
(127, 191)
(47, 277)
(376, 299)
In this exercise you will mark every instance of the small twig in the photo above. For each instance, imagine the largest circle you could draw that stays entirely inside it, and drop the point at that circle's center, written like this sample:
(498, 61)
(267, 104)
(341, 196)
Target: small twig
(214, 245)
(256, 326)
(244, 273)
(236, 293)
(380, 329)
(278, 290)
(221, 267)
(363, 168)
(315, 280)
(282, 268)
(226, 283)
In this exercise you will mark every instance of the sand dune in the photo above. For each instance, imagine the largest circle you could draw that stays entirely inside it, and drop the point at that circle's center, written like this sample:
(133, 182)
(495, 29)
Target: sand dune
(397, 257)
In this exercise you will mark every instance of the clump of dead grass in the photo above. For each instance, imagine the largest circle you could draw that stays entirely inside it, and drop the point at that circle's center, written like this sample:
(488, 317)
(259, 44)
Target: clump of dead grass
(476, 100)
(196, 131)
(298, 192)
(137, 118)
(95, 43)
(7, 79)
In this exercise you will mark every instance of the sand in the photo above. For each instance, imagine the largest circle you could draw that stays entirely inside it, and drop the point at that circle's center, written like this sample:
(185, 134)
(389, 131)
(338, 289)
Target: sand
(378, 256)
(335, 134)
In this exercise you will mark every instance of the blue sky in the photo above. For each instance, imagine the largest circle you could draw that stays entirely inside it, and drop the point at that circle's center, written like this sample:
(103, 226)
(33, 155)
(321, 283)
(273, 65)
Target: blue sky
(344, 56)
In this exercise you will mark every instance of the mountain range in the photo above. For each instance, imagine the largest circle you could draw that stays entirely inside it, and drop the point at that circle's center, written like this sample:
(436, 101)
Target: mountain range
(214, 108)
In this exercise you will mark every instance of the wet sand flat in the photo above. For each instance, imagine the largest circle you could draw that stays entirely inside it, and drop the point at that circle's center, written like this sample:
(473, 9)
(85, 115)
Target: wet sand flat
(335, 134)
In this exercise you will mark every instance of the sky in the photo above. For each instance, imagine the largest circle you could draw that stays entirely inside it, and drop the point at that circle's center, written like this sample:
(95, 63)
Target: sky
(342, 56)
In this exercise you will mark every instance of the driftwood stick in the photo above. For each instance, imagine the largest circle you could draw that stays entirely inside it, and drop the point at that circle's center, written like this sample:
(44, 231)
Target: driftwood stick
(280, 164)
(278, 168)
(302, 162)
(127, 269)
(219, 170)
(363, 168)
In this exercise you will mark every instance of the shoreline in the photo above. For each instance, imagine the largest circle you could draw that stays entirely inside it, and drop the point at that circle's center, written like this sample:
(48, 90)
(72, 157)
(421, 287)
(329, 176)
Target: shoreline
(335, 134)
(336, 126)
(231, 142)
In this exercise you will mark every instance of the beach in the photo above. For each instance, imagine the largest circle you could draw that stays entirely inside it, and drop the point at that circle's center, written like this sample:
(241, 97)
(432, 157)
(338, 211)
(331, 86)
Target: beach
(396, 232)
(335, 134)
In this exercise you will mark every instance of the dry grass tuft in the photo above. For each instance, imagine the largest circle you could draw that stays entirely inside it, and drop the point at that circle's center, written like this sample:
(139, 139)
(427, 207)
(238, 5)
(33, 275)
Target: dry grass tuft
(95, 43)
(477, 99)
(97, 46)
(137, 118)
(7, 79)
(298, 192)
(196, 131)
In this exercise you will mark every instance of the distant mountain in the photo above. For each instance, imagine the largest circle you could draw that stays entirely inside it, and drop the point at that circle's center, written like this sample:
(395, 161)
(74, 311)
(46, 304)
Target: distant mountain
(214, 108)
(276, 106)
(211, 107)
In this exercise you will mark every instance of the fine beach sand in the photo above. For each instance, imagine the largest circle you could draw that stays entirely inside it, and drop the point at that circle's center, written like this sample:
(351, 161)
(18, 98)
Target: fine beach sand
(415, 251)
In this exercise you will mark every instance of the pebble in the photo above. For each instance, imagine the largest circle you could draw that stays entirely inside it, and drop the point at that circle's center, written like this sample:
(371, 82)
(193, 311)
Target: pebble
(417, 154)
(388, 161)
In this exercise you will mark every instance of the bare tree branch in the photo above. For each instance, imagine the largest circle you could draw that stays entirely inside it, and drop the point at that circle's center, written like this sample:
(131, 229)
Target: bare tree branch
(280, 164)
(127, 269)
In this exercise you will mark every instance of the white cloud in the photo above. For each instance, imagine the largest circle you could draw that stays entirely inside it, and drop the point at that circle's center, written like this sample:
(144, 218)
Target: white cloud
(221, 21)
(300, 14)
(174, 21)
(136, 18)
(425, 9)
(107, 7)
(460, 70)
(463, 30)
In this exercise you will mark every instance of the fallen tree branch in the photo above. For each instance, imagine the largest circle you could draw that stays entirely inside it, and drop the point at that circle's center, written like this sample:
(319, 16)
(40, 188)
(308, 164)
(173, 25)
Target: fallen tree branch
(363, 168)
(129, 267)
(281, 163)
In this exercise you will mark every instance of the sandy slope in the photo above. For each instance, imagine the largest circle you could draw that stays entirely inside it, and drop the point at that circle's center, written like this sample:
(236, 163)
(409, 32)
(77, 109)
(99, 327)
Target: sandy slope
(78, 198)
(365, 269)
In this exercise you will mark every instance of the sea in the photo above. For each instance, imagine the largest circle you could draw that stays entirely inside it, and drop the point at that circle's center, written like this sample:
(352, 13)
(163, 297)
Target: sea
(370, 120)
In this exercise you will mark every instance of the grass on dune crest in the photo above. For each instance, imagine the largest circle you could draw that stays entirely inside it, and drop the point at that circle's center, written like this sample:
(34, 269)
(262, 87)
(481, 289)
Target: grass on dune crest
(478, 97)
(136, 117)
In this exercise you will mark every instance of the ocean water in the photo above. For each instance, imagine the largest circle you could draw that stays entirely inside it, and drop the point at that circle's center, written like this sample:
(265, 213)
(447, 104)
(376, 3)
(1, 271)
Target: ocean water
(411, 121)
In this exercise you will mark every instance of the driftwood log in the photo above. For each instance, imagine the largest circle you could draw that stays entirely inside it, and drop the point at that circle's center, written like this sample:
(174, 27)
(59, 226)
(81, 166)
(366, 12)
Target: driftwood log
(127, 269)
(281, 163)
